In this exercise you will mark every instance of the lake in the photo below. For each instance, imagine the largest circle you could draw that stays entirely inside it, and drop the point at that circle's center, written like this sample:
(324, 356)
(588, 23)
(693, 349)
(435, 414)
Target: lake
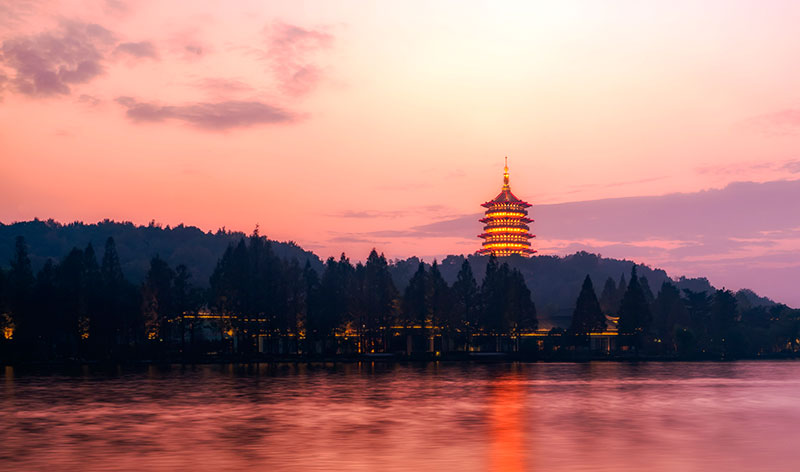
(385, 416)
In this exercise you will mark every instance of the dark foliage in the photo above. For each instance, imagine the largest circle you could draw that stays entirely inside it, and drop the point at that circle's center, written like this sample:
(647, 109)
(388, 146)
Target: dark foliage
(257, 302)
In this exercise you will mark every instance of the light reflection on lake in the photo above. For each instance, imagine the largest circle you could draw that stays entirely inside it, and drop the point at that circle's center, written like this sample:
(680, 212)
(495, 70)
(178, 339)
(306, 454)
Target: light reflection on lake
(437, 416)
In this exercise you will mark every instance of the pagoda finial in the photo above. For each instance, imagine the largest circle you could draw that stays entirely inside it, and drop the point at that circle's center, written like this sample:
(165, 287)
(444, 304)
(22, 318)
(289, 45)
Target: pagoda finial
(505, 174)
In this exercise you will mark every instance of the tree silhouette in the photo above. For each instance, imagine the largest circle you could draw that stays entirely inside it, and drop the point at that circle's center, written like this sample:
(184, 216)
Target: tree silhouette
(587, 316)
(669, 314)
(609, 302)
(634, 312)
(466, 302)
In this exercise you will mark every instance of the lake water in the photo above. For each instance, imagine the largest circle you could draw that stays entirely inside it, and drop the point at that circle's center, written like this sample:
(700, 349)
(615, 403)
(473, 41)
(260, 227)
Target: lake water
(437, 416)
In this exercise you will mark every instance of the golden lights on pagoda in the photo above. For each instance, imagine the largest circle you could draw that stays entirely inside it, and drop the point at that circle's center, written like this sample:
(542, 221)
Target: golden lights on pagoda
(506, 230)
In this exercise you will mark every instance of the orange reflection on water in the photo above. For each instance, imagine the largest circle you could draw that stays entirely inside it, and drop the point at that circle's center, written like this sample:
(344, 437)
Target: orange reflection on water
(507, 426)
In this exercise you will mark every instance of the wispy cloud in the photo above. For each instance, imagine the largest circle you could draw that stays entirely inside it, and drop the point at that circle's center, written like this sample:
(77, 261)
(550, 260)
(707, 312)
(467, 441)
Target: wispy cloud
(791, 166)
(368, 214)
(222, 85)
(141, 49)
(292, 52)
(211, 116)
(778, 123)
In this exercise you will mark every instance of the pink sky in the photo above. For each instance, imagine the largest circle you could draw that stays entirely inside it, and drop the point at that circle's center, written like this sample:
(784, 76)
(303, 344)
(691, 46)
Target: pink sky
(341, 124)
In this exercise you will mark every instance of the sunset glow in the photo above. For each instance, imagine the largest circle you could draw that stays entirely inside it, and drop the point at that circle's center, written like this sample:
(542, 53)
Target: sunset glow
(350, 125)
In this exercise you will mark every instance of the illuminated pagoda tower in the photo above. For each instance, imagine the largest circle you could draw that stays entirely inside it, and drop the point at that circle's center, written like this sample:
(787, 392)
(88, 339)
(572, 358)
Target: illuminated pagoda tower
(506, 231)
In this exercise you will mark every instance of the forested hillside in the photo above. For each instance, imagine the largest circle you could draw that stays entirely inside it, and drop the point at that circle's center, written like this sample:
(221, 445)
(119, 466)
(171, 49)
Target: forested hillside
(554, 281)
(136, 245)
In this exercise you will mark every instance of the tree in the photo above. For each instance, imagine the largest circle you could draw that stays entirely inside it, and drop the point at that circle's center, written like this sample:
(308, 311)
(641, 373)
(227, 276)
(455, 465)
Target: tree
(587, 316)
(723, 320)
(311, 314)
(698, 305)
(118, 323)
(465, 301)
(519, 307)
(440, 297)
(20, 288)
(379, 293)
(634, 312)
(669, 314)
(608, 297)
(157, 298)
(492, 297)
(415, 298)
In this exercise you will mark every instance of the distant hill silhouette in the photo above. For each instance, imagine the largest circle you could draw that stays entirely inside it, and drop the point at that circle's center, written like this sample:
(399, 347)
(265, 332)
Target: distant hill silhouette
(554, 281)
(136, 245)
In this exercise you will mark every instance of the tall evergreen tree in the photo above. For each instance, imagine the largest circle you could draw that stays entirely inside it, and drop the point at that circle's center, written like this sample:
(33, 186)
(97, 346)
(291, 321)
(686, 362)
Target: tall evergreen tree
(608, 297)
(723, 319)
(465, 301)
(646, 290)
(520, 309)
(415, 298)
(380, 295)
(669, 314)
(20, 289)
(587, 316)
(158, 300)
(440, 297)
(46, 308)
(634, 312)
(311, 309)
(492, 297)
(699, 306)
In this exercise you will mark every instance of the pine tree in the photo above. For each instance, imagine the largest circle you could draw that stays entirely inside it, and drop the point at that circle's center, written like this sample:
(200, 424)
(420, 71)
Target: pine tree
(669, 314)
(634, 311)
(587, 316)
(465, 301)
(415, 298)
(608, 298)
(492, 298)
(20, 289)
(441, 302)
(380, 294)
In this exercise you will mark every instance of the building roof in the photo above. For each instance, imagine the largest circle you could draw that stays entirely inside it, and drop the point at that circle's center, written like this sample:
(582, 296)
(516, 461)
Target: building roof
(505, 195)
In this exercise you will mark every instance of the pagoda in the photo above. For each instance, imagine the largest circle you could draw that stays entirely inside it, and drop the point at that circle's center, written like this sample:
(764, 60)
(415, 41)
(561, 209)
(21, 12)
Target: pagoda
(506, 231)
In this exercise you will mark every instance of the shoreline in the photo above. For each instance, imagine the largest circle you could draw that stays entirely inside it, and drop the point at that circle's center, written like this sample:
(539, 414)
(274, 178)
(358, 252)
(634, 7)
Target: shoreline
(484, 358)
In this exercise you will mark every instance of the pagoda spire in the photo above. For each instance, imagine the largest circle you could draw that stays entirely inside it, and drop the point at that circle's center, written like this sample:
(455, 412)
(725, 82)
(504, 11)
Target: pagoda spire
(505, 175)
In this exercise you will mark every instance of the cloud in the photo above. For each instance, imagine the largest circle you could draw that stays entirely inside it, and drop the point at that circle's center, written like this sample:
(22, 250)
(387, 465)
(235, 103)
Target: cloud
(291, 52)
(350, 239)
(89, 100)
(194, 50)
(368, 214)
(748, 169)
(211, 116)
(792, 167)
(142, 49)
(216, 84)
(780, 123)
(49, 63)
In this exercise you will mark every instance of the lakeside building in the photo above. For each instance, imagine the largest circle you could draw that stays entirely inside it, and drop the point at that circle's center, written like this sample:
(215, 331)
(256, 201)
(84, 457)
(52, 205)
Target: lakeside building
(506, 230)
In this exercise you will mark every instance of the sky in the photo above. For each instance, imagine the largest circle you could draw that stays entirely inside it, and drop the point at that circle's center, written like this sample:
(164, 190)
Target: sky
(350, 125)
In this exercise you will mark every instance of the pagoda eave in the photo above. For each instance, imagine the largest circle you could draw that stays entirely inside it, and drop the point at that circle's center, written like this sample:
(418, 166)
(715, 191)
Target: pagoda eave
(492, 203)
(523, 235)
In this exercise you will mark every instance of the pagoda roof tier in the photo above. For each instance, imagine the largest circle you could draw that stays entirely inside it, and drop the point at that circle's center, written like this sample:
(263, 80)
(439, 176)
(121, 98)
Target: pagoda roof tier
(508, 250)
(524, 235)
(516, 218)
(505, 196)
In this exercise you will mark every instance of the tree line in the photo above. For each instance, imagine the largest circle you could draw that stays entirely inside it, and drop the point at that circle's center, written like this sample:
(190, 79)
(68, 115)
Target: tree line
(684, 323)
(257, 303)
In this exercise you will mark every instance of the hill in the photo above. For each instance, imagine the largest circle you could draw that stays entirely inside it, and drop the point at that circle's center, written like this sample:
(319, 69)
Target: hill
(136, 245)
(554, 281)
